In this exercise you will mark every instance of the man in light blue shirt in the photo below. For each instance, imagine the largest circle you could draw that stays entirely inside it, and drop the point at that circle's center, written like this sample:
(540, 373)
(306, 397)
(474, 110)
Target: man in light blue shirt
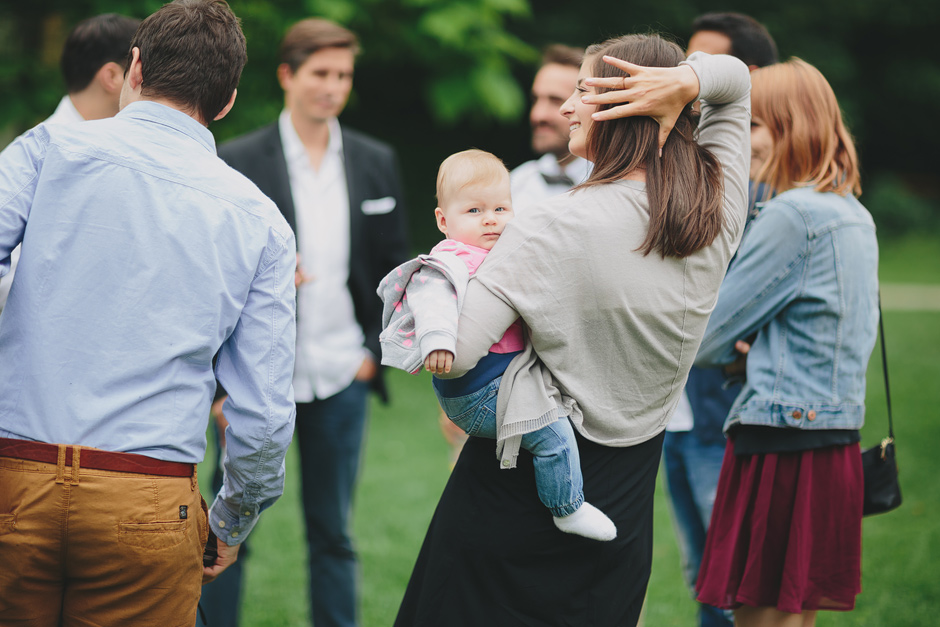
(143, 256)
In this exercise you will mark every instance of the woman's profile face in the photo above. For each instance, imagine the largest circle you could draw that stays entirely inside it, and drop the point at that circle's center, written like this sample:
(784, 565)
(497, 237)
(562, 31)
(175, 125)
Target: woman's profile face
(762, 145)
(578, 113)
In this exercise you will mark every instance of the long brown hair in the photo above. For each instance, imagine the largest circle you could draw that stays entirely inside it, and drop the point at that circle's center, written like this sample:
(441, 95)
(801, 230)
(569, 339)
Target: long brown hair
(684, 187)
(812, 147)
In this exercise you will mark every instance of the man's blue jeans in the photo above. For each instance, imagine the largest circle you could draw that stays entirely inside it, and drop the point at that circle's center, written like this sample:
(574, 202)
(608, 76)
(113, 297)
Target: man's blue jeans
(692, 469)
(557, 464)
(330, 434)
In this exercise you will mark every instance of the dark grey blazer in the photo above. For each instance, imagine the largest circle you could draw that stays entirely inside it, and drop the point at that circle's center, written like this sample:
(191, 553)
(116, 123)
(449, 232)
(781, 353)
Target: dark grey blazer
(378, 237)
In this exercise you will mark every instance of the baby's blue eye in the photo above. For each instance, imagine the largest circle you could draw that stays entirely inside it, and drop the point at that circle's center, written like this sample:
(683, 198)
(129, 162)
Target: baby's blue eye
(473, 210)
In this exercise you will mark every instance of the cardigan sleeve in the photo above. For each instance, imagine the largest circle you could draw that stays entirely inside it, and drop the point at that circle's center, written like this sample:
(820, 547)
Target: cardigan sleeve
(484, 319)
(724, 128)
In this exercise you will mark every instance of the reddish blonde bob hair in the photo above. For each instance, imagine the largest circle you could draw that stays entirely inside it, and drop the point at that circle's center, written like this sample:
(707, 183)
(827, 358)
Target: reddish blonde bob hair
(812, 147)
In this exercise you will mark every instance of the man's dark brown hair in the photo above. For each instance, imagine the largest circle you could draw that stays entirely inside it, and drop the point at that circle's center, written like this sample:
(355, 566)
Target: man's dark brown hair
(92, 43)
(750, 40)
(313, 34)
(562, 55)
(192, 53)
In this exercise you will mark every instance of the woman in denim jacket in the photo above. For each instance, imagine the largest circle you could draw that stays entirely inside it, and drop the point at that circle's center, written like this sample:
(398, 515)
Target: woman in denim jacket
(785, 535)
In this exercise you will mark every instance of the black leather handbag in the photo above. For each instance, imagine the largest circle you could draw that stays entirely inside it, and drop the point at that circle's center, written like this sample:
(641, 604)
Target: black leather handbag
(879, 464)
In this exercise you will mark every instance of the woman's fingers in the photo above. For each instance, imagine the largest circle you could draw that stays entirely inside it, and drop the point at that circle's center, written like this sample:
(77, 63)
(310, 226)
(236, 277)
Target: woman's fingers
(617, 96)
(626, 66)
(623, 111)
(658, 92)
(609, 82)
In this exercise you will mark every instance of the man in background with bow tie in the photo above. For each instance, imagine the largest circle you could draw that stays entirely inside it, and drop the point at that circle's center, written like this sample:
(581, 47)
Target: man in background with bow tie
(556, 170)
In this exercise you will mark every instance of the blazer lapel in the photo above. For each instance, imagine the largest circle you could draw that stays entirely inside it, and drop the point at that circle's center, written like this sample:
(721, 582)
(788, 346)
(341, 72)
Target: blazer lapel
(355, 189)
(277, 177)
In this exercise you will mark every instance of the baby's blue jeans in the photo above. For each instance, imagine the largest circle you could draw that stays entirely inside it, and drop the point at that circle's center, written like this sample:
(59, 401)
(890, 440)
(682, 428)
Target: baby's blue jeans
(557, 465)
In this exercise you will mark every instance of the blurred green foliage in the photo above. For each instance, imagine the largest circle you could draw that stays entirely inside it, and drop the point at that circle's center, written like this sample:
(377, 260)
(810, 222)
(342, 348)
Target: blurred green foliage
(897, 208)
(437, 76)
(458, 52)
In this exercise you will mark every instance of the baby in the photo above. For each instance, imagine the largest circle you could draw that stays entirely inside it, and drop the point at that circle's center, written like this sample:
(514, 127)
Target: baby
(422, 302)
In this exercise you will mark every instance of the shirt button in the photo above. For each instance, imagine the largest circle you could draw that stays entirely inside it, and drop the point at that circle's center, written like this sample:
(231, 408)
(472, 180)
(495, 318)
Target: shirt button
(797, 414)
(811, 414)
(506, 463)
(222, 524)
(234, 534)
(247, 513)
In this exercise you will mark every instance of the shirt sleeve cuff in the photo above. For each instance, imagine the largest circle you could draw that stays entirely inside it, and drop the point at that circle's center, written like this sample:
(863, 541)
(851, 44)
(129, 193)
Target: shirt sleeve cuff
(229, 526)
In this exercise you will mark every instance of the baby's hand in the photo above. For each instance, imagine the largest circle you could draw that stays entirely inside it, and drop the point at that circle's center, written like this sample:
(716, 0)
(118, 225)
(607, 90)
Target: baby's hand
(439, 362)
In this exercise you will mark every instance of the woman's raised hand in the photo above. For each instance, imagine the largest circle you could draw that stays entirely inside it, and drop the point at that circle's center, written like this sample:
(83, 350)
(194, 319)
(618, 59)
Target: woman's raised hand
(657, 92)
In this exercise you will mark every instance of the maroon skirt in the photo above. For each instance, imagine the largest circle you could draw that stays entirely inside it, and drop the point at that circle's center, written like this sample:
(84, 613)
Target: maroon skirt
(786, 531)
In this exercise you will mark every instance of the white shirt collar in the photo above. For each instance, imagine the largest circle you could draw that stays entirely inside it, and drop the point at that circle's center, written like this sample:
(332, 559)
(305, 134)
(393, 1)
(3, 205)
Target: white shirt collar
(577, 169)
(294, 148)
(548, 164)
(65, 113)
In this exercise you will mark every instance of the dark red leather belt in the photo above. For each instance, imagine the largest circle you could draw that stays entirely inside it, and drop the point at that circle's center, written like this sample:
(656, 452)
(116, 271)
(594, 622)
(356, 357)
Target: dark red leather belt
(94, 458)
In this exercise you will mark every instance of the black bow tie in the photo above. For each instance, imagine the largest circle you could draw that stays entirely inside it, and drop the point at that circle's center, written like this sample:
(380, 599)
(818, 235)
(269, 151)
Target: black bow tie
(558, 179)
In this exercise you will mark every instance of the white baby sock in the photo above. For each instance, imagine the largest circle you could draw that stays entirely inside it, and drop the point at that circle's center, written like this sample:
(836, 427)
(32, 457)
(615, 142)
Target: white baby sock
(587, 521)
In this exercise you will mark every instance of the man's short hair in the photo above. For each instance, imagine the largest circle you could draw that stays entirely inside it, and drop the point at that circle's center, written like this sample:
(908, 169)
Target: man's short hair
(308, 36)
(192, 53)
(750, 41)
(91, 44)
(562, 55)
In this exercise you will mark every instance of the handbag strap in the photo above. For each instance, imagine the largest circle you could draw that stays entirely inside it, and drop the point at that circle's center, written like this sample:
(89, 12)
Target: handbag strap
(884, 364)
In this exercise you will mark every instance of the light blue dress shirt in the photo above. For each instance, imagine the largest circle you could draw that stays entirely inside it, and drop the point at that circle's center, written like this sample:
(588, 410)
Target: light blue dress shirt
(143, 256)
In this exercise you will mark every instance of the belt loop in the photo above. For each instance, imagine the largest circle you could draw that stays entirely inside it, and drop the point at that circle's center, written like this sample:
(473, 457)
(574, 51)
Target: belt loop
(194, 481)
(60, 465)
(76, 463)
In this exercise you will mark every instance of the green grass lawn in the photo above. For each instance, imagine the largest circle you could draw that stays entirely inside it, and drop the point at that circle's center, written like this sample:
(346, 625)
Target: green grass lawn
(406, 466)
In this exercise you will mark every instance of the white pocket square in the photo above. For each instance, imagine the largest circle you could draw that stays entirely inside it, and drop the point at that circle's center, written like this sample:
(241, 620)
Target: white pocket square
(378, 206)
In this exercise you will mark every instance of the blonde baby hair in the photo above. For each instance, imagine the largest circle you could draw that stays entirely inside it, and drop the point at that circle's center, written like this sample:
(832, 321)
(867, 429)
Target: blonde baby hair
(468, 167)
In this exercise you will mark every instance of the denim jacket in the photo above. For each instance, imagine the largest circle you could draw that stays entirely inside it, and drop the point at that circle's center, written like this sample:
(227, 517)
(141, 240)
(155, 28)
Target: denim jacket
(805, 282)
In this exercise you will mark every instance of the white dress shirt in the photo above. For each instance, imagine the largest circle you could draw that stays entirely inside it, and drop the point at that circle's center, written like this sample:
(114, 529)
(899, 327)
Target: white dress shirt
(535, 181)
(682, 419)
(330, 343)
(65, 113)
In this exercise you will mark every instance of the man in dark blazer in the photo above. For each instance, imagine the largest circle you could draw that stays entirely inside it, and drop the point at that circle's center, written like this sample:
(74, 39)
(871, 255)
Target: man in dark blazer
(341, 192)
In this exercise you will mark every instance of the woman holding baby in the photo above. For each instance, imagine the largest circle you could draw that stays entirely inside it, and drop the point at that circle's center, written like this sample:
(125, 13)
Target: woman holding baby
(614, 282)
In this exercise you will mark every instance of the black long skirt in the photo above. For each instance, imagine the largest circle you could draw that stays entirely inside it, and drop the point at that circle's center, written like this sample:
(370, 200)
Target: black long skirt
(493, 557)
